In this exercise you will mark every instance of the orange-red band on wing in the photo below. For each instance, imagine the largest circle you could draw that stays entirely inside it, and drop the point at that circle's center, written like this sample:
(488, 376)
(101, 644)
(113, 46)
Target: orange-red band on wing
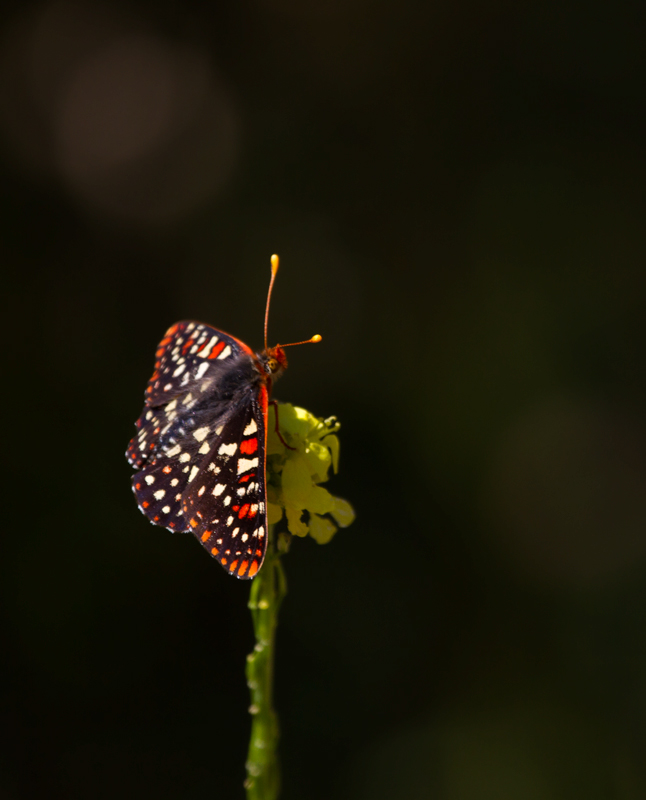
(249, 446)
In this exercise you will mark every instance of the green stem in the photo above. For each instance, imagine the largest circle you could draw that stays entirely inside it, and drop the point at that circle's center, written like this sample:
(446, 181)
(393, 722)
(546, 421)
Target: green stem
(267, 592)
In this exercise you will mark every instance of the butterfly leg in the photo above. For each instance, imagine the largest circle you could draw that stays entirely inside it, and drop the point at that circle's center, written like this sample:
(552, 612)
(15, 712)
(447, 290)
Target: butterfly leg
(274, 403)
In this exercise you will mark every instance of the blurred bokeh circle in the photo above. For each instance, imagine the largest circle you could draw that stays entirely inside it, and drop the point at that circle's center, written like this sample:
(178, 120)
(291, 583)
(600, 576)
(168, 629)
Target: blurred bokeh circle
(138, 127)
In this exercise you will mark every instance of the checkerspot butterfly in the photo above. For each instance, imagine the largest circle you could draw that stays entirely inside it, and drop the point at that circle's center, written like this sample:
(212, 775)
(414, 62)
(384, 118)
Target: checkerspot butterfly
(200, 448)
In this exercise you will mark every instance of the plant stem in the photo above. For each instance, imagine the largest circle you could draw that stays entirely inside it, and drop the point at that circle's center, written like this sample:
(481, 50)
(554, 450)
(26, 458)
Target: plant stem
(267, 592)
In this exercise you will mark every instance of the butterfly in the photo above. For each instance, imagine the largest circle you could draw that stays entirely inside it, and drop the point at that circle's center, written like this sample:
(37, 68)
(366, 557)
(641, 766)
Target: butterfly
(200, 447)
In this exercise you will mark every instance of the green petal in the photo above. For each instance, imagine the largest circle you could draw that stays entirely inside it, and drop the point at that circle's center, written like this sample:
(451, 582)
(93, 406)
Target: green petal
(294, 522)
(318, 460)
(274, 513)
(296, 421)
(321, 529)
(332, 442)
(297, 482)
(320, 501)
(343, 512)
(274, 445)
(273, 495)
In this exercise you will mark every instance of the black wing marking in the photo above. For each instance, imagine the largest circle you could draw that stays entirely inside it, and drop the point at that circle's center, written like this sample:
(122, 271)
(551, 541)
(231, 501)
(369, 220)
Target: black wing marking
(225, 501)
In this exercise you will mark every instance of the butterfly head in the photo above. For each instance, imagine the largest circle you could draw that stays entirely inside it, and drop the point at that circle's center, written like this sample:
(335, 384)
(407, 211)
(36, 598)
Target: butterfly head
(276, 360)
(273, 362)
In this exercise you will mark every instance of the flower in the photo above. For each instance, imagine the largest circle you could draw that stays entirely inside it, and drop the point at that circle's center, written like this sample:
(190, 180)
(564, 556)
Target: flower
(294, 475)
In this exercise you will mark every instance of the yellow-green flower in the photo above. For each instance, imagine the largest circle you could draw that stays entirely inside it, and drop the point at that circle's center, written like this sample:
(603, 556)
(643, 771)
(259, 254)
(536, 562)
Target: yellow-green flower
(293, 475)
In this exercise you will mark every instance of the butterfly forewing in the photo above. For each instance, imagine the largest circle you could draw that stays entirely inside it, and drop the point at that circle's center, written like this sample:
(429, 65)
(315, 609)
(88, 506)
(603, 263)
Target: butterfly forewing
(190, 359)
(224, 502)
(176, 461)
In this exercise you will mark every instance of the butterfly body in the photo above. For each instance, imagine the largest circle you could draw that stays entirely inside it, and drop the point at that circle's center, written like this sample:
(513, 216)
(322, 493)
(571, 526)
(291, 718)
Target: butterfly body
(201, 442)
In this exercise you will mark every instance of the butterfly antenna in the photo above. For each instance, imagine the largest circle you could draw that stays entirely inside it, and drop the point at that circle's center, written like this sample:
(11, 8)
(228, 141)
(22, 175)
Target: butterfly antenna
(316, 338)
(274, 269)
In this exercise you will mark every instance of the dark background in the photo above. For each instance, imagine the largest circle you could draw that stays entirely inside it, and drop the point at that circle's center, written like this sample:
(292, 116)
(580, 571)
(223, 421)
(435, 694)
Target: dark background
(456, 191)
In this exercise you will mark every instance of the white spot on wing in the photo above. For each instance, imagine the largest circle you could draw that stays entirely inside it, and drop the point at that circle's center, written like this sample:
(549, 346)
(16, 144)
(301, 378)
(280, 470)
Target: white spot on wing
(205, 448)
(201, 370)
(159, 494)
(166, 510)
(150, 479)
(194, 472)
(245, 464)
(185, 457)
(174, 450)
(174, 482)
(225, 353)
(171, 405)
(201, 434)
(251, 428)
(218, 489)
(179, 370)
(229, 449)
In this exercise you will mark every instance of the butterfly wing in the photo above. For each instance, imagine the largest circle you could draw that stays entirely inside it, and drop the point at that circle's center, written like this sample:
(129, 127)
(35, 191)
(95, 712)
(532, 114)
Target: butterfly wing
(224, 503)
(159, 486)
(200, 445)
(191, 359)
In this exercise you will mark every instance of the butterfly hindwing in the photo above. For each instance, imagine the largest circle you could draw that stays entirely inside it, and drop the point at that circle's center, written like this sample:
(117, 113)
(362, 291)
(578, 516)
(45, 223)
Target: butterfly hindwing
(224, 503)
(159, 486)
(156, 490)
